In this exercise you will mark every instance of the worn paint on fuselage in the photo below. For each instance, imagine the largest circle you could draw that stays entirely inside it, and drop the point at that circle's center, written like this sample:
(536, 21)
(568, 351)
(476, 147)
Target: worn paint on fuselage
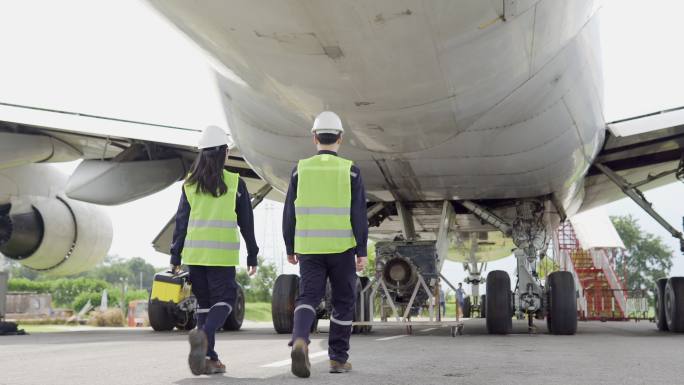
(440, 99)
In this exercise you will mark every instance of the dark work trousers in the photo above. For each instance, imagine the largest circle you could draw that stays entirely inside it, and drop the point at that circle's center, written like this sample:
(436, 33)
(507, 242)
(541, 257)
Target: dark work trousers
(215, 289)
(314, 271)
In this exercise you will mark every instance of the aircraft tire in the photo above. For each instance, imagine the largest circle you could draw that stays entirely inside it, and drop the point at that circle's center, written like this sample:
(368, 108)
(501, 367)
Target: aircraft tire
(674, 304)
(235, 318)
(467, 307)
(161, 318)
(562, 315)
(660, 319)
(499, 320)
(285, 292)
(483, 306)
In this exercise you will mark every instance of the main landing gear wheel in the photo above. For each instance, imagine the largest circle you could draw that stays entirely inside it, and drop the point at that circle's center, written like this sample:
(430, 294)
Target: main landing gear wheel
(498, 304)
(674, 304)
(467, 307)
(235, 318)
(483, 306)
(285, 292)
(661, 322)
(562, 316)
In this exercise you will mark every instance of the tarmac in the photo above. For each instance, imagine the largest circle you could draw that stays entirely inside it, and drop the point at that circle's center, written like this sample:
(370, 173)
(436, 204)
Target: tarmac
(600, 353)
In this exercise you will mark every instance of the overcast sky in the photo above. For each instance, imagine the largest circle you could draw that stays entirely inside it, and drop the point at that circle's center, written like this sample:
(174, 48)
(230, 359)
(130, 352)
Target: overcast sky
(120, 59)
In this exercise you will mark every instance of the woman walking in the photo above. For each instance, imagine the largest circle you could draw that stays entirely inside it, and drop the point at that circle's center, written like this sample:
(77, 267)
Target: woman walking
(214, 202)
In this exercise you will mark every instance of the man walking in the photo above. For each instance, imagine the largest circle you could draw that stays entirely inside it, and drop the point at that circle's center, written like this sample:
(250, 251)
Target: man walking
(442, 302)
(326, 232)
(460, 298)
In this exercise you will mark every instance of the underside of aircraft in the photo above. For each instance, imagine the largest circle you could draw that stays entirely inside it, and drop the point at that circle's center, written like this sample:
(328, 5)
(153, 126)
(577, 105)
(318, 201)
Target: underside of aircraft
(477, 126)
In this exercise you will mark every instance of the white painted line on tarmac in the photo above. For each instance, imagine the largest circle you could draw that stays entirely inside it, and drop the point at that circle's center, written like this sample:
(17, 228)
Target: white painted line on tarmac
(427, 330)
(392, 337)
(278, 364)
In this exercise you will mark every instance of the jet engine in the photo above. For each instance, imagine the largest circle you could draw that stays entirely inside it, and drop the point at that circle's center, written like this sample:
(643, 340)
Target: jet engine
(401, 264)
(55, 235)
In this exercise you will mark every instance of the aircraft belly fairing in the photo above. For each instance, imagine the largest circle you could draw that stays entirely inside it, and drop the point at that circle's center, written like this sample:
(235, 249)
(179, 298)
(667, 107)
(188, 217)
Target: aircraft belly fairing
(481, 112)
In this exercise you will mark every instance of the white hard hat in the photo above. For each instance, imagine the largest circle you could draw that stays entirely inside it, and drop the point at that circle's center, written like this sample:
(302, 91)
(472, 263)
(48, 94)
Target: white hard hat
(327, 122)
(213, 136)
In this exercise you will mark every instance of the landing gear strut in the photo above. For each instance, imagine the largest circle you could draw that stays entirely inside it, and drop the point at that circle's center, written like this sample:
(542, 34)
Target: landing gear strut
(530, 300)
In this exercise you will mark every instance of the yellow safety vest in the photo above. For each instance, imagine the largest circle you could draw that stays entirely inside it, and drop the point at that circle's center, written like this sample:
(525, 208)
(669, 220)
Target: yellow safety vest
(212, 238)
(323, 206)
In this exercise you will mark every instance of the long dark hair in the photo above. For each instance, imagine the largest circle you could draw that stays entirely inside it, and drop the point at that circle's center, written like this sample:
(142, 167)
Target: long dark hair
(207, 171)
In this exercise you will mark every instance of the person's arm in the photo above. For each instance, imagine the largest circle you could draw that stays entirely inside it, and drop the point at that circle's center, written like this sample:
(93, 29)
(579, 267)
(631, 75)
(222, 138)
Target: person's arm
(182, 217)
(359, 220)
(245, 218)
(289, 218)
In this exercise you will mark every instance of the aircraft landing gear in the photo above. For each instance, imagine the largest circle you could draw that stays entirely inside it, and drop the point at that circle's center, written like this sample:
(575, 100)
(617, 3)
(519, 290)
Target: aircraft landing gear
(669, 304)
(661, 322)
(499, 304)
(674, 304)
(531, 328)
(285, 291)
(562, 304)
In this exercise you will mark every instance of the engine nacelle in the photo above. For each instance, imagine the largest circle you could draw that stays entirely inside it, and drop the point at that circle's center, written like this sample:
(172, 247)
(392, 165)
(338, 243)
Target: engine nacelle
(54, 235)
(401, 264)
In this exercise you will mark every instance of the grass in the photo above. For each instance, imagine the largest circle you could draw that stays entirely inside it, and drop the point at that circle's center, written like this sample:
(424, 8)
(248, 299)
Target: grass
(258, 311)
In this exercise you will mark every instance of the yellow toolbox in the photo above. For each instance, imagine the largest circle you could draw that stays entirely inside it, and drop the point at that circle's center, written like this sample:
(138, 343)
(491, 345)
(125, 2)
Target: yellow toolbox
(168, 287)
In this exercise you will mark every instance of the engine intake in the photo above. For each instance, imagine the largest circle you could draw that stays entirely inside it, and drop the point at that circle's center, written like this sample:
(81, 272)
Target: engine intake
(399, 273)
(400, 263)
(55, 235)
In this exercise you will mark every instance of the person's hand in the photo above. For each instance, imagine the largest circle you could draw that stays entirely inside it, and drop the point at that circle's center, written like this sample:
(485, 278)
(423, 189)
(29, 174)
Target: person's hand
(174, 269)
(361, 263)
(251, 270)
(293, 259)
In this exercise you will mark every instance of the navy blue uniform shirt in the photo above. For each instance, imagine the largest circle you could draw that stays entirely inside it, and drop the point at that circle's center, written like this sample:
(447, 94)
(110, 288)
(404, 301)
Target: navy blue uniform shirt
(245, 219)
(359, 220)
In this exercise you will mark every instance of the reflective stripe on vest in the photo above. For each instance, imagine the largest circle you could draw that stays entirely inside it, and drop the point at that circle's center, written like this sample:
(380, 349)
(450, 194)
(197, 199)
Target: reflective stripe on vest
(323, 205)
(212, 238)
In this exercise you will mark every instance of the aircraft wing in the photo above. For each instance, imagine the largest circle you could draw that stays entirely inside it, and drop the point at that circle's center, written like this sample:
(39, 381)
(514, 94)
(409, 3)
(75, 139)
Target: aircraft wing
(123, 160)
(646, 151)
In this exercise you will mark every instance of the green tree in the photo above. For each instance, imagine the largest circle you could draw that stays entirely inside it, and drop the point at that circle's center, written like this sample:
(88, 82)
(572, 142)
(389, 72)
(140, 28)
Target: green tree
(646, 259)
(369, 271)
(113, 274)
(19, 271)
(546, 266)
(258, 288)
(28, 285)
(243, 278)
(114, 269)
(65, 290)
(263, 282)
(138, 268)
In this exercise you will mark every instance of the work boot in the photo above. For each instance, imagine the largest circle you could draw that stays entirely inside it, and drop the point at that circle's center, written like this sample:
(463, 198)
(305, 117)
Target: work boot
(214, 367)
(339, 367)
(198, 351)
(301, 367)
